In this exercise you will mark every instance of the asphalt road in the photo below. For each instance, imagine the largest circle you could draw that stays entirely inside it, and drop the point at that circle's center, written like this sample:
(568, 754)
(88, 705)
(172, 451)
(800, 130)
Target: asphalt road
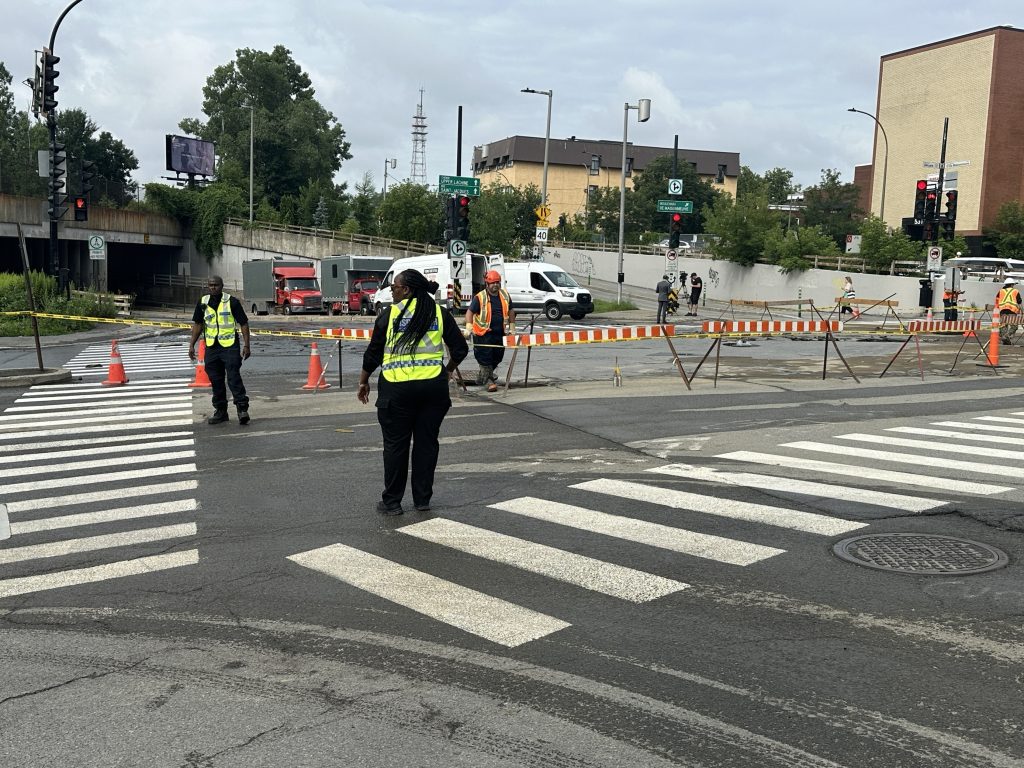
(636, 575)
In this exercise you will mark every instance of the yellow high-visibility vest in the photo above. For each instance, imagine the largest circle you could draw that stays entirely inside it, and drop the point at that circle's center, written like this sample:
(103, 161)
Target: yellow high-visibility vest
(425, 360)
(218, 322)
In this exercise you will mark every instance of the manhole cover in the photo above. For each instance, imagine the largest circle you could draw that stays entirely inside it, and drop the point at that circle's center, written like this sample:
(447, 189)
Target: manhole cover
(923, 554)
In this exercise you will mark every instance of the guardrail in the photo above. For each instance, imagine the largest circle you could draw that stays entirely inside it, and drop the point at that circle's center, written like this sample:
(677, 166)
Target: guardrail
(338, 235)
(122, 301)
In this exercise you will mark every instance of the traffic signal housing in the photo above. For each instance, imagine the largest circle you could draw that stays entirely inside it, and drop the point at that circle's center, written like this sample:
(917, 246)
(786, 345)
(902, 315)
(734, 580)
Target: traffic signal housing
(461, 218)
(920, 193)
(929, 231)
(931, 204)
(50, 87)
(58, 183)
(951, 205)
(81, 206)
(675, 228)
(88, 173)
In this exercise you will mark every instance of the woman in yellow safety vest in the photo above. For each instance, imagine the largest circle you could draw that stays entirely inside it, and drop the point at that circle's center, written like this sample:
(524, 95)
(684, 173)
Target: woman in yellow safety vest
(407, 344)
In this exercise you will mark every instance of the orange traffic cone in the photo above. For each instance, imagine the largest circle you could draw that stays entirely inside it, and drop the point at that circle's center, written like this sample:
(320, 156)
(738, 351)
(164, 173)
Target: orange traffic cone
(201, 379)
(969, 334)
(929, 315)
(315, 380)
(115, 373)
(993, 340)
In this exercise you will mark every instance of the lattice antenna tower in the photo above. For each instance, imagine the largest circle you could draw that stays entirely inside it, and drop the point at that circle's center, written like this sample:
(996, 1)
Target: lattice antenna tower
(418, 170)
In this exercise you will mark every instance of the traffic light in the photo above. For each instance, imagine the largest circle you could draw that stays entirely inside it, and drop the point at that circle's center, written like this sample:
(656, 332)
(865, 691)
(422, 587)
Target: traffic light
(88, 173)
(929, 233)
(912, 230)
(951, 205)
(81, 206)
(57, 184)
(947, 229)
(919, 197)
(931, 204)
(675, 227)
(461, 227)
(50, 88)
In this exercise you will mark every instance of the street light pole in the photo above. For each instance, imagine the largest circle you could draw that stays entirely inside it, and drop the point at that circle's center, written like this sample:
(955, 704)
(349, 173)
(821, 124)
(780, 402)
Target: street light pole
(388, 161)
(643, 109)
(547, 141)
(885, 160)
(252, 124)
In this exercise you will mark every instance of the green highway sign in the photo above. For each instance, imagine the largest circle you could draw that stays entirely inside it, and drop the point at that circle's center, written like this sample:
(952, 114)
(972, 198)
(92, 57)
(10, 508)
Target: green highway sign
(459, 185)
(675, 206)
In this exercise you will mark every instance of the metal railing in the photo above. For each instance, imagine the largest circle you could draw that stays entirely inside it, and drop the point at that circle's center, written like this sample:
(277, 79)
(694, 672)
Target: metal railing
(339, 236)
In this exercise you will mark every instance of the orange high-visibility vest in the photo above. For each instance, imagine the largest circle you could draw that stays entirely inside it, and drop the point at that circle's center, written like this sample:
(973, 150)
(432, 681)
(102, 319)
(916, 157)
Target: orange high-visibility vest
(482, 321)
(1008, 300)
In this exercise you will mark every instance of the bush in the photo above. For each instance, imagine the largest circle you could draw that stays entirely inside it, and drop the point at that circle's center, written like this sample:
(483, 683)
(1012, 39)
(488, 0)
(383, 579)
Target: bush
(14, 298)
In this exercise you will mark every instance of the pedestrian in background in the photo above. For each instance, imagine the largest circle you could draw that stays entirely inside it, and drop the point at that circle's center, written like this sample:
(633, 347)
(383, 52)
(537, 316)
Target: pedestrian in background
(489, 317)
(662, 289)
(408, 344)
(848, 293)
(696, 286)
(220, 319)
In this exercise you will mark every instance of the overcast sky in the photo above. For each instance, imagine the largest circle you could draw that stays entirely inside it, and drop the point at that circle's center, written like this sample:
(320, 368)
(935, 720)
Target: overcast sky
(770, 80)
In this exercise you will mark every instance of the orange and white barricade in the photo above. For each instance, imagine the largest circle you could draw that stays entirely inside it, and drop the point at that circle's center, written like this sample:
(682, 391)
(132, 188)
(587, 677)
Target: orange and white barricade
(966, 328)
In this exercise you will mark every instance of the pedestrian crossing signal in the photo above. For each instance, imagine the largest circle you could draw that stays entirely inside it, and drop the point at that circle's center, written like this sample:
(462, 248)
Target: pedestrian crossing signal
(81, 206)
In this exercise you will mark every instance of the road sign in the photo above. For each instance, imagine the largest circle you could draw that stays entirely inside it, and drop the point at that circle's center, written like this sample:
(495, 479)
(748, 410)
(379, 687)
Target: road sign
(675, 186)
(457, 248)
(675, 206)
(935, 258)
(543, 214)
(542, 234)
(459, 185)
(97, 247)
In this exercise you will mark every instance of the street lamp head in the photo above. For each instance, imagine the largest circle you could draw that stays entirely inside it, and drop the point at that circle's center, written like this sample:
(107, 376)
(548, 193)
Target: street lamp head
(851, 109)
(643, 111)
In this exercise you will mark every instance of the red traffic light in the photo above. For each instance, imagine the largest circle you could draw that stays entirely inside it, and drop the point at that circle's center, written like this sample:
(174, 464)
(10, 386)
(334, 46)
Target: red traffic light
(931, 195)
(922, 184)
(463, 201)
(677, 217)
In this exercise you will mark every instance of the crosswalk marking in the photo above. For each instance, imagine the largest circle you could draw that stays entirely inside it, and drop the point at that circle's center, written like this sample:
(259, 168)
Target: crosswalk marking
(104, 516)
(596, 575)
(653, 534)
(737, 510)
(1001, 439)
(97, 414)
(31, 452)
(801, 487)
(109, 442)
(95, 428)
(931, 445)
(898, 458)
(137, 358)
(978, 426)
(488, 617)
(114, 461)
(865, 473)
(106, 419)
(86, 387)
(124, 405)
(93, 543)
(1000, 419)
(107, 477)
(74, 499)
(140, 565)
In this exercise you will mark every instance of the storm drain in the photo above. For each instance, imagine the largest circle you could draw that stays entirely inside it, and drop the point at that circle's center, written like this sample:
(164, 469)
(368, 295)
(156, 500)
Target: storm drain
(923, 554)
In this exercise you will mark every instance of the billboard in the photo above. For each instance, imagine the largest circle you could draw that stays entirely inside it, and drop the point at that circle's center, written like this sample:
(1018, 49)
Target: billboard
(192, 156)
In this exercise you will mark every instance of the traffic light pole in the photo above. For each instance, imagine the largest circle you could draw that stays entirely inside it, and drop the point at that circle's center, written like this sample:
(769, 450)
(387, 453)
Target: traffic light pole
(51, 124)
(942, 174)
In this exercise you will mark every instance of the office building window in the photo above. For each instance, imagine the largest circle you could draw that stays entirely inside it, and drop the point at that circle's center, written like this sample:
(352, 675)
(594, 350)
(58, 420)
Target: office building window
(595, 165)
(629, 166)
(721, 174)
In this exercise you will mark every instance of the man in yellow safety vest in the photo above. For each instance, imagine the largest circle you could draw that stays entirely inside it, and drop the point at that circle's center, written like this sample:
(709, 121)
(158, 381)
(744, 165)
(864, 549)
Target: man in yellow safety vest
(1008, 303)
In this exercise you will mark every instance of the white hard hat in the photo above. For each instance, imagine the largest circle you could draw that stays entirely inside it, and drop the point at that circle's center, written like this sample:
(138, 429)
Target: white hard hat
(1009, 281)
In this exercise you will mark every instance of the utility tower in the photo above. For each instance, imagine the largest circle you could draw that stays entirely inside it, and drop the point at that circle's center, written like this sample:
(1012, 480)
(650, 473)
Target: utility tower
(418, 171)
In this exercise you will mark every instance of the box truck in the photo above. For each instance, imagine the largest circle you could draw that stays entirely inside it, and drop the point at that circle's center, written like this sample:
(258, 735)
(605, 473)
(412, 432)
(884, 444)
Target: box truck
(275, 284)
(349, 282)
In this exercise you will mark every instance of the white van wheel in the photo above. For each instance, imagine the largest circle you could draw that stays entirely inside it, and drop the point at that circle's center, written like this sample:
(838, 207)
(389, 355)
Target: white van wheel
(552, 311)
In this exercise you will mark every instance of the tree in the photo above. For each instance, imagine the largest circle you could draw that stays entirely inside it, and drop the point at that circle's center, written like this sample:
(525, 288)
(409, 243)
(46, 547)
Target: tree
(412, 212)
(502, 219)
(1008, 233)
(742, 228)
(652, 185)
(749, 184)
(20, 139)
(114, 162)
(201, 211)
(364, 205)
(295, 140)
(880, 248)
(779, 185)
(832, 205)
(790, 248)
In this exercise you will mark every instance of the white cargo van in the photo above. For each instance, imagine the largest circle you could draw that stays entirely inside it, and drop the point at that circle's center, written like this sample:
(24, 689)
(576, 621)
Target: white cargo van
(539, 287)
(456, 277)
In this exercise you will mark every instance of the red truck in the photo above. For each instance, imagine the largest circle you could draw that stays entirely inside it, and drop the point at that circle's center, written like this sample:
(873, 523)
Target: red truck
(274, 284)
(349, 282)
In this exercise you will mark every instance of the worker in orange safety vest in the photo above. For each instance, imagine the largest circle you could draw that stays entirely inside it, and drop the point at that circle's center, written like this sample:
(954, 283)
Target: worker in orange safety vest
(1008, 303)
(489, 317)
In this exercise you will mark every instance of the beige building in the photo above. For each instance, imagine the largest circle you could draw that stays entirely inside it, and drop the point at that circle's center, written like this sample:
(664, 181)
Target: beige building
(576, 167)
(977, 81)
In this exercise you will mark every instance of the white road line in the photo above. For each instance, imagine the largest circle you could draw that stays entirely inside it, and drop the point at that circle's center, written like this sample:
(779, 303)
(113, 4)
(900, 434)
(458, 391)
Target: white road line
(865, 473)
(123, 405)
(106, 394)
(177, 422)
(1000, 419)
(25, 424)
(94, 543)
(108, 477)
(489, 436)
(709, 505)
(113, 461)
(104, 516)
(932, 445)
(488, 617)
(975, 425)
(930, 462)
(128, 412)
(587, 572)
(120, 569)
(99, 442)
(98, 450)
(95, 386)
(1000, 439)
(802, 487)
(115, 494)
(652, 534)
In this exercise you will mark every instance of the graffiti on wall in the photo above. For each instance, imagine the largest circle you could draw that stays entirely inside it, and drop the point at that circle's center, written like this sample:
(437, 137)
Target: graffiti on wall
(582, 264)
(713, 277)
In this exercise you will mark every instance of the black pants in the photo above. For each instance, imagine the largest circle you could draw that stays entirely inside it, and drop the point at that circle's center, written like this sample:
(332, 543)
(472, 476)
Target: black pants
(221, 361)
(662, 311)
(411, 411)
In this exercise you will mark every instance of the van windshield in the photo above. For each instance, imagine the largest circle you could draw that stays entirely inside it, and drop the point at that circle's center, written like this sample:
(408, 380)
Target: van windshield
(561, 280)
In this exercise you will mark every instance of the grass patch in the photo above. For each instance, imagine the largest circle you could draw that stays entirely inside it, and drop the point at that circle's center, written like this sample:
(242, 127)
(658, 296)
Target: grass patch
(602, 305)
(13, 298)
